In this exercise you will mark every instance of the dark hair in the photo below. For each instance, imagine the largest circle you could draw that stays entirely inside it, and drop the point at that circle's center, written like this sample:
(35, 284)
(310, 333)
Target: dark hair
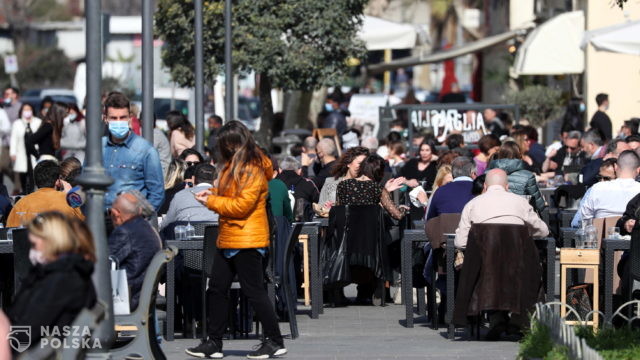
(454, 141)
(205, 173)
(55, 116)
(186, 152)
(509, 150)
(340, 169)
(600, 98)
(478, 184)
(22, 108)
(531, 132)
(70, 168)
(447, 158)
(431, 146)
(216, 118)
(74, 107)
(296, 150)
(393, 137)
(488, 142)
(608, 163)
(373, 167)
(116, 100)
(238, 151)
(14, 89)
(46, 173)
(632, 138)
(47, 99)
(632, 124)
(177, 121)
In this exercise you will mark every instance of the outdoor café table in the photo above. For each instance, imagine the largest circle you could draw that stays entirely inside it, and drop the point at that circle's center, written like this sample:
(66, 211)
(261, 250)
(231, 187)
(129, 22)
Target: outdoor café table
(547, 193)
(609, 247)
(171, 281)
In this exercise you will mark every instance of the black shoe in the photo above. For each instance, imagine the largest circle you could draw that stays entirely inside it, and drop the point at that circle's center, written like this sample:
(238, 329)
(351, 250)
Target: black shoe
(495, 332)
(210, 349)
(267, 349)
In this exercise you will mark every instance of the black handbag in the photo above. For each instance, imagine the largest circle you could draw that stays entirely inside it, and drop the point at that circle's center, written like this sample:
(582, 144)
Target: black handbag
(335, 260)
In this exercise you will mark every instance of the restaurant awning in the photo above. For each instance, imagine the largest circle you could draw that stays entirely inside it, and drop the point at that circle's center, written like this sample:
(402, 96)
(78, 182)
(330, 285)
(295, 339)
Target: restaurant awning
(451, 53)
(621, 38)
(553, 48)
(380, 34)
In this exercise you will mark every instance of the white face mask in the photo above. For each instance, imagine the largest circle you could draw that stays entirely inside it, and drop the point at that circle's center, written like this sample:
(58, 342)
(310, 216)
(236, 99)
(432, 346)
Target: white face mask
(27, 114)
(36, 257)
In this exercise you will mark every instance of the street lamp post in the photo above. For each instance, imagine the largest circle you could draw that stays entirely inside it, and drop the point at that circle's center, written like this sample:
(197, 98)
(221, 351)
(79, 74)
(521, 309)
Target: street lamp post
(147, 70)
(93, 178)
(228, 68)
(199, 78)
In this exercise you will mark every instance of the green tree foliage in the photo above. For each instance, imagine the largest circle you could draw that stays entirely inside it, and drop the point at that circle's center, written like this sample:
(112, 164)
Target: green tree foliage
(290, 44)
(537, 103)
(44, 67)
(298, 44)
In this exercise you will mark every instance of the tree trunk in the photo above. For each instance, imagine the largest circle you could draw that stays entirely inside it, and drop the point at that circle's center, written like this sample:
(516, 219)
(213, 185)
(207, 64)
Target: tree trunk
(264, 135)
(297, 110)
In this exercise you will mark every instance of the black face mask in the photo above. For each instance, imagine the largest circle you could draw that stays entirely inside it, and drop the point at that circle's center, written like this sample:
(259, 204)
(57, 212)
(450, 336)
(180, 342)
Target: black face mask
(189, 184)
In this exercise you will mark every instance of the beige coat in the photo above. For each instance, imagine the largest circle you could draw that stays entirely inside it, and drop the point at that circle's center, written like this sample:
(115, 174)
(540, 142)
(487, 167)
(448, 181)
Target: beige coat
(498, 206)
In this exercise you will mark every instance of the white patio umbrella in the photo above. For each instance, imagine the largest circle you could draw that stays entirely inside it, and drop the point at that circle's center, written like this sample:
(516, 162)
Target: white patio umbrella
(380, 34)
(621, 38)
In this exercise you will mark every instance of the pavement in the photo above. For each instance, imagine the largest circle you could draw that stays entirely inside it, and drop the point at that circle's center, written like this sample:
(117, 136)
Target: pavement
(364, 332)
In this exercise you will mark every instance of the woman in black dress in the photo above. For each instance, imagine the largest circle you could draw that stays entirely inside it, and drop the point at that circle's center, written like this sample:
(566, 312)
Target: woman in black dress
(421, 170)
(367, 243)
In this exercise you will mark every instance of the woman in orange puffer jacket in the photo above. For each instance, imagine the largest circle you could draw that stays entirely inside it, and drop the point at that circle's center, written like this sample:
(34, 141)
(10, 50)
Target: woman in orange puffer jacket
(240, 198)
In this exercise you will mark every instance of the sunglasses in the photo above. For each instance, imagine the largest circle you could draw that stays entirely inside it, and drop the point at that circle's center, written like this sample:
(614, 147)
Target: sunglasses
(192, 163)
(603, 178)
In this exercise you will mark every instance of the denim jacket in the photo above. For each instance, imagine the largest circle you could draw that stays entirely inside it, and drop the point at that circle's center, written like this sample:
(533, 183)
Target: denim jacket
(133, 165)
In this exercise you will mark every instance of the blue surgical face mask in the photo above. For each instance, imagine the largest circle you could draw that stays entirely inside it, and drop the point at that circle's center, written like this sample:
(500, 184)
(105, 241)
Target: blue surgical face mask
(583, 107)
(73, 116)
(7, 101)
(119, 129)
(328, 107)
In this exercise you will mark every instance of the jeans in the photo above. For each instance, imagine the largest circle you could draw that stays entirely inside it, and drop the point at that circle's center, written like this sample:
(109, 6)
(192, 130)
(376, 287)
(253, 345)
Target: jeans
(248, 265)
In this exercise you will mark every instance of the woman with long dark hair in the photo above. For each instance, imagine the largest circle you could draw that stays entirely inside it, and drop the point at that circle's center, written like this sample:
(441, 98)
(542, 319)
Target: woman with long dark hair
(45, 142)
(239, 196)
(181, 133)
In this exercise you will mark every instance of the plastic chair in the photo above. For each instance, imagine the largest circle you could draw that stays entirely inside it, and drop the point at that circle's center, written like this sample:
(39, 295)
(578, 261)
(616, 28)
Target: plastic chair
(285, 282)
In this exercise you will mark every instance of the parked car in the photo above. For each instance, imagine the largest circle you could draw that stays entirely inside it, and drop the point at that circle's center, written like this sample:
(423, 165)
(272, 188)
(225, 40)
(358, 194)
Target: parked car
(34, 97)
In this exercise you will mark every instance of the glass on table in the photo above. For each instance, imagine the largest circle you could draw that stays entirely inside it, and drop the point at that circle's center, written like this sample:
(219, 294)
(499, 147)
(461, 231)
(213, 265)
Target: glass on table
(613, 232)
(180, 232)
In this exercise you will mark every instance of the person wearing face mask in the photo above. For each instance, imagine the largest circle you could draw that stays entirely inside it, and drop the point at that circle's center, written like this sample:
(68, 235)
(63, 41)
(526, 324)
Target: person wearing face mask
(131, 161)
(334, 116)
(59, 284)
(11, 102)
(600, 119)
(18, 150)
(74, 134)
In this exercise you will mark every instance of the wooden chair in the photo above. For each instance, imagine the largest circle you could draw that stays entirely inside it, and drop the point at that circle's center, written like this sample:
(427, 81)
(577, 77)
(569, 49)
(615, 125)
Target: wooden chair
(602, 224)
(322, 133)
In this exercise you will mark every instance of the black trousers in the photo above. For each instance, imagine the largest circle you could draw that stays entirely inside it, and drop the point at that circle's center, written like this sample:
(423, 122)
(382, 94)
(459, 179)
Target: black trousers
(248, 265)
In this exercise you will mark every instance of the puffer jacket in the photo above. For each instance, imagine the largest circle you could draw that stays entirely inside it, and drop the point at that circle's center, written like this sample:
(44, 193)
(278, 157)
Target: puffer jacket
(521, 181)
(243, 214)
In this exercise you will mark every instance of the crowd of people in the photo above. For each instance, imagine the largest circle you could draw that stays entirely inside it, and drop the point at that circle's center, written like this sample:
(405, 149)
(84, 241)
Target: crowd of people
(241, 186)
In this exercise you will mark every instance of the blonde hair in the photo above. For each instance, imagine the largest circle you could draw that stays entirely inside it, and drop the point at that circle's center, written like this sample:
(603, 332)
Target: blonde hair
(443, 171)
(175, 173)
(62, 234)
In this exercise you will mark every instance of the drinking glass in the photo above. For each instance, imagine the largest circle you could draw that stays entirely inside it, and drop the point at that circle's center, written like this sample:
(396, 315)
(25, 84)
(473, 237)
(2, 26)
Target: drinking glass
(613, 232)
(190, 231)
(180, 232)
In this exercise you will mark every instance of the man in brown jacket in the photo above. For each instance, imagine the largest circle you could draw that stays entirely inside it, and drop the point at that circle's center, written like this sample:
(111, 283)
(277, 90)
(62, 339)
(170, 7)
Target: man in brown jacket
(46, 198)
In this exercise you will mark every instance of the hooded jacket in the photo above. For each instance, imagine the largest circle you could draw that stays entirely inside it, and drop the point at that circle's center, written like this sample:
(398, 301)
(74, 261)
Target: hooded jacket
(243, 219)
(53, 295)
(521, 181)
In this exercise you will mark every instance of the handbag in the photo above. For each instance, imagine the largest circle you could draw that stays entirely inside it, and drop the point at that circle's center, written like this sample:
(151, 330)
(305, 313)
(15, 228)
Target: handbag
(335, 260)
(119, 289)
(578, 298)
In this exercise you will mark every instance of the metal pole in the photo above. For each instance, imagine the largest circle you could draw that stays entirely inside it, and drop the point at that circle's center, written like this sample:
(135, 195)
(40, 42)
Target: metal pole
(93, 178)
(199, 78)
(228, 68)
(147, 70)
